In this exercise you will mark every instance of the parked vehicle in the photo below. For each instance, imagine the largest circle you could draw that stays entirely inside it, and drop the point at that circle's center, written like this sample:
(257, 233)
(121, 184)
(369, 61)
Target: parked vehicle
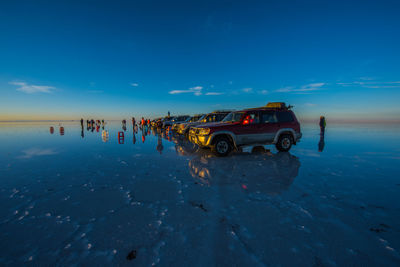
(272, 124)
(175, 126)
(177, 119)
(215, 116)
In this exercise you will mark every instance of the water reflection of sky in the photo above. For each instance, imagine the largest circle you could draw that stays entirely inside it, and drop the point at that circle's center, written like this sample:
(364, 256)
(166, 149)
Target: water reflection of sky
(68, 198)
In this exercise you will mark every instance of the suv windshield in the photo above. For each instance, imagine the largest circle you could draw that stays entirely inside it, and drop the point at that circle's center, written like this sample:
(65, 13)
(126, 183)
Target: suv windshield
(233, 117)
(213, 117)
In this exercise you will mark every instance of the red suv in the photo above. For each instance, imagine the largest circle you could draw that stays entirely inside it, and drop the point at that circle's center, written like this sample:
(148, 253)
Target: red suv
(273, 124)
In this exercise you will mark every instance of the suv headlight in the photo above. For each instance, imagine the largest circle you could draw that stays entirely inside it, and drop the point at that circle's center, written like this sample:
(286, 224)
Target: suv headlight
(204, 131)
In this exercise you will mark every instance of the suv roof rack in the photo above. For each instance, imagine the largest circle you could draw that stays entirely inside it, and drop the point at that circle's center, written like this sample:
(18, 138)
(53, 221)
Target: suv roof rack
(273, 106)
(222, 110)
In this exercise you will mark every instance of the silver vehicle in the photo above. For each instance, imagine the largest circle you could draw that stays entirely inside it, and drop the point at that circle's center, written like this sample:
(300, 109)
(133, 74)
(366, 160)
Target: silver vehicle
(176, 125)
(177, 119)
(215, 116)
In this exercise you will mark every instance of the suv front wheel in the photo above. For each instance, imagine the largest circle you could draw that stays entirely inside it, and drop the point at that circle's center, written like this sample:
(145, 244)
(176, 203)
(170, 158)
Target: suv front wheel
(284, 143)
(222, 146)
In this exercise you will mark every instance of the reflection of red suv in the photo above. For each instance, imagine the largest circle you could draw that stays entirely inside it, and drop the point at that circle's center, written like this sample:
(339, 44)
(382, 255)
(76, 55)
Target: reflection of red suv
(272, 124)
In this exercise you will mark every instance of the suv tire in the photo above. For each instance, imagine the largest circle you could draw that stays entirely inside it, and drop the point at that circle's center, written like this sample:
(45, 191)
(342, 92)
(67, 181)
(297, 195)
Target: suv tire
(285, 142)
(222, 146)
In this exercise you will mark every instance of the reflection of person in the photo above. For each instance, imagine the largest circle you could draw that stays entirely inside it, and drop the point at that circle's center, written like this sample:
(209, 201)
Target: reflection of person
(134, 138)
(321, 143)
(160, 146)
(322, 124)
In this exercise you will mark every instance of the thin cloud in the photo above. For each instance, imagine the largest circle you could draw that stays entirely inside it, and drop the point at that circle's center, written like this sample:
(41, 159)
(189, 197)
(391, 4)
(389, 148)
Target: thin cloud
(247, 90)
(371, 84)
(263, 92)
(304, 89)
(214, 93)
(95, 91)
(134, 84)
(194, 90)
(31, 89)
(33, 152)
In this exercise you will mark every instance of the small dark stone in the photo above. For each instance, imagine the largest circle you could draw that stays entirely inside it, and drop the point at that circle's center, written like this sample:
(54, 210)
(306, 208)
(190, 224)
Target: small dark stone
(131, 255)
(377, 230)
(384, 225)
(194, 204)
(202, 207)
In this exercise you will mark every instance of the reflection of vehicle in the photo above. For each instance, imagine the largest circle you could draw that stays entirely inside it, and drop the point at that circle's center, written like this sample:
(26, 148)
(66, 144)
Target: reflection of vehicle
(183, 146)
(272, 124)
(215, 116)
(264, 173)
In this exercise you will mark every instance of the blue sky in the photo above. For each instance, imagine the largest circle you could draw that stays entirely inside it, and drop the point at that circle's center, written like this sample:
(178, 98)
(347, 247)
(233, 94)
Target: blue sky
(114, 59)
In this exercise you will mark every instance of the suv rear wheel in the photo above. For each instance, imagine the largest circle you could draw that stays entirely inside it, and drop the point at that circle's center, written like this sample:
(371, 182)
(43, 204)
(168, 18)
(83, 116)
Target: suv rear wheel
(285, 142)
(222, 146)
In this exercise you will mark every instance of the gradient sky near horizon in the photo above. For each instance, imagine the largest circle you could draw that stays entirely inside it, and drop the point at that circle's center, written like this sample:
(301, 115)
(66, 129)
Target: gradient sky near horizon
(113, 59)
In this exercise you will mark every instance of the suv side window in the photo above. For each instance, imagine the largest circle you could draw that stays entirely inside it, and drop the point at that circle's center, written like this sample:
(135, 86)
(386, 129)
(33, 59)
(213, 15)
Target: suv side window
(251, 118)
(284, 116)
(268, 117)
(220, 117)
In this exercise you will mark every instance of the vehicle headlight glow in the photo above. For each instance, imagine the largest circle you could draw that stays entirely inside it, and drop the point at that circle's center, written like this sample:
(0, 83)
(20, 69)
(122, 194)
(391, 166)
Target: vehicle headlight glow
(204, 131)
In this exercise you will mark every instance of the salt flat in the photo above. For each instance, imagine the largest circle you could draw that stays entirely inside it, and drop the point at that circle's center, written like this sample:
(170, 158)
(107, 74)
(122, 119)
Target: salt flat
(155, 199)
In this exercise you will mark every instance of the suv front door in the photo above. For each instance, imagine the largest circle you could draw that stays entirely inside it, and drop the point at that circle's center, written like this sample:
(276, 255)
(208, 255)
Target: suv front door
(269, 125)
(249, 131)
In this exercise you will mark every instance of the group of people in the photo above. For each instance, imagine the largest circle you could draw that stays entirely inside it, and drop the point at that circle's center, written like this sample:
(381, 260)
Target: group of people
(93, 123)
(142, 122)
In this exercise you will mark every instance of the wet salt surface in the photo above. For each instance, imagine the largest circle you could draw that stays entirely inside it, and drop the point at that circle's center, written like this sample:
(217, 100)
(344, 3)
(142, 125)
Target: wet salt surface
(72, 200)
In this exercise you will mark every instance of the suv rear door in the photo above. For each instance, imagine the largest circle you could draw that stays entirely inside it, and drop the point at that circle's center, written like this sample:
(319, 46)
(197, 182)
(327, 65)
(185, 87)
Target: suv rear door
(286, 120)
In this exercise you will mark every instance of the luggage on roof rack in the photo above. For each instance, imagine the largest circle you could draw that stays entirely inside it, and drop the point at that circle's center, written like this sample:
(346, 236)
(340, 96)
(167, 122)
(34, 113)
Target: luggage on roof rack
(280, 105)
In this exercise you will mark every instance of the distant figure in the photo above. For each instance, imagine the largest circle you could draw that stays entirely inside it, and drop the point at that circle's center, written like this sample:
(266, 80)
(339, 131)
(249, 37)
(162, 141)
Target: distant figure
(160, 146)
(142, 121)
(102, 122)
(321, 143)
(124, 125)
(82, 123)
(169, 114)
(133, 122)
(322, 124)
(51, 130)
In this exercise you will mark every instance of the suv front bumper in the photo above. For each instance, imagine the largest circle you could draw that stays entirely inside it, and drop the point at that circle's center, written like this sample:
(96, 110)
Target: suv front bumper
(200, 140)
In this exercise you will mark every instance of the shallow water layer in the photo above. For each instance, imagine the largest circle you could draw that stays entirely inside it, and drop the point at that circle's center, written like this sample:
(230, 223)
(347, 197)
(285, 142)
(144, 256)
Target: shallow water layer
(151, 198)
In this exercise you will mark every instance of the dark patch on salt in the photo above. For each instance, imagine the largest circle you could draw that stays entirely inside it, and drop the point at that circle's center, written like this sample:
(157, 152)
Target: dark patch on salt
(131, 255)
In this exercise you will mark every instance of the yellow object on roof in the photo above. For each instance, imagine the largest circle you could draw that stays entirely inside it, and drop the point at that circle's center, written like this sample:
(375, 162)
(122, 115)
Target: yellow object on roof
(276, 105)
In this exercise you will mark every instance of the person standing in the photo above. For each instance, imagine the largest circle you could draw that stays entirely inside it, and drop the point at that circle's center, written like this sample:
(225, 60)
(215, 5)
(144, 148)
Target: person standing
(322, 124)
